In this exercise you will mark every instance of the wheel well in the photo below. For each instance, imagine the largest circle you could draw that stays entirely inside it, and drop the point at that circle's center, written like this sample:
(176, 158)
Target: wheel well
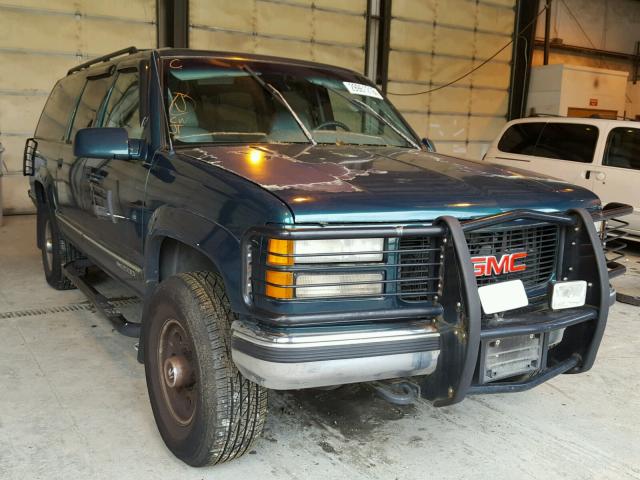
(177, 257)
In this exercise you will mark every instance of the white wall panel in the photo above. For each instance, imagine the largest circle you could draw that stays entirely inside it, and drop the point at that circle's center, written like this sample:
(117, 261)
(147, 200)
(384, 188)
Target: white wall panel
(39, 41)
(327, 31)
(435, 41)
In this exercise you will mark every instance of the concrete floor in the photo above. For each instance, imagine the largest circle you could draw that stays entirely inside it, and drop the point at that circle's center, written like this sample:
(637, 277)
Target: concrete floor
(73, 405)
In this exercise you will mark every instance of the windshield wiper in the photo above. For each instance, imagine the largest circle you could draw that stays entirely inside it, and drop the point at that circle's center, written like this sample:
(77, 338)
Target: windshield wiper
(371, 111)
(274, 91)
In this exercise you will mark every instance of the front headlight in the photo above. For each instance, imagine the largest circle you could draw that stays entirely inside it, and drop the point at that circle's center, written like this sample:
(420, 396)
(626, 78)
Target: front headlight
(305, 283)
(342, 250)
(338, 285)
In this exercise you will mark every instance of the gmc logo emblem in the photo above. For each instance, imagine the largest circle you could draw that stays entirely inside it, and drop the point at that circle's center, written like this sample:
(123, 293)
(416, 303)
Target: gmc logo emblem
(489, 265)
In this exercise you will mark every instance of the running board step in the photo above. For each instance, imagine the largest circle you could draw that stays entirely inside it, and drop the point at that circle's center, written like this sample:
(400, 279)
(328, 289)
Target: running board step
(73, 271)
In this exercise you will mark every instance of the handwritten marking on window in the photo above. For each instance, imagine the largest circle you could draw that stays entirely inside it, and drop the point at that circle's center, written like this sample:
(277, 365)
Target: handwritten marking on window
(175, 63)
(178, 111)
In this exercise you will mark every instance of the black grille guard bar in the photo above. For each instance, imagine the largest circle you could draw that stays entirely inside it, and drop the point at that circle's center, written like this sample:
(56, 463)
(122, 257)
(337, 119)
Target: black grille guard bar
(613, 235)
(462, 314)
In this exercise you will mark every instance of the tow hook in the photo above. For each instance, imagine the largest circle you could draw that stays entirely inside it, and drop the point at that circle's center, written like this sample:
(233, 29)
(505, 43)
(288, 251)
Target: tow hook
(398, 392)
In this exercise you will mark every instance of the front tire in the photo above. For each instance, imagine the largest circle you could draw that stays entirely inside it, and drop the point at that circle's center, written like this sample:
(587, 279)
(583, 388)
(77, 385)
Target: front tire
(206, 411)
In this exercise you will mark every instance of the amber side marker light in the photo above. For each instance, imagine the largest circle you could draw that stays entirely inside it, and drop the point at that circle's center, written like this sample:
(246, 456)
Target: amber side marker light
(279, 253)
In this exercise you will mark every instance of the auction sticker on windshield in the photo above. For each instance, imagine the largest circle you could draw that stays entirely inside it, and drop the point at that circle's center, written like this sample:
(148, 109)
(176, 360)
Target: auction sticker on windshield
(360, 89)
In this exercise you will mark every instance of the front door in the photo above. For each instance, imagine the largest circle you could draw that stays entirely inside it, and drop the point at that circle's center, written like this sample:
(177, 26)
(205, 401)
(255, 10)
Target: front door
(114, 193)
(618, 178)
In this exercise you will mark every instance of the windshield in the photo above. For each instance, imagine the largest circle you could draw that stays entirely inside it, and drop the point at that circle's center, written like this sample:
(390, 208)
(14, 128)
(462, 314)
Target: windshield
(232, 101)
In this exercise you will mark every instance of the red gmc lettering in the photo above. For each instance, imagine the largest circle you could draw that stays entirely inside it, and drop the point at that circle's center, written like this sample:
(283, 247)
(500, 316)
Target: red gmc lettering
(488, 265)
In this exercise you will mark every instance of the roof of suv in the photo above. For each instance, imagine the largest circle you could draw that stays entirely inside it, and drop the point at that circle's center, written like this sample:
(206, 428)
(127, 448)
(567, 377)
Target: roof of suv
(126, 53)
(602, 122)
(187, 52)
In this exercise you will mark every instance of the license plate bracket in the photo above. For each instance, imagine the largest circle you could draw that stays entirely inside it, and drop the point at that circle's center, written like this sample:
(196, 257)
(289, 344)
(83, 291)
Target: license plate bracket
(510, 356)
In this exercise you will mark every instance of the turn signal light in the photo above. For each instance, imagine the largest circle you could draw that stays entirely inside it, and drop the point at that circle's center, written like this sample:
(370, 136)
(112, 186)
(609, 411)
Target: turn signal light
(279, 278)
(280, 252)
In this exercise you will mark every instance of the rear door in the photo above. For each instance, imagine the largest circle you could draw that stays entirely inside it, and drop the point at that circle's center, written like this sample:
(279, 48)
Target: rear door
(557, 149)
(53, 125)
(50, 132)
(618, 178)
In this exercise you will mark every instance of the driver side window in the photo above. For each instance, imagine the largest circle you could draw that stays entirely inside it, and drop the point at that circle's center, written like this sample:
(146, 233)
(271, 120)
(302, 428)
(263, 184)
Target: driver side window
(123, 109)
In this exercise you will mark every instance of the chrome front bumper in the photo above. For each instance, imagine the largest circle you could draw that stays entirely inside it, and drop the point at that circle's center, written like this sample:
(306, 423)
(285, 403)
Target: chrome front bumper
(320, 357)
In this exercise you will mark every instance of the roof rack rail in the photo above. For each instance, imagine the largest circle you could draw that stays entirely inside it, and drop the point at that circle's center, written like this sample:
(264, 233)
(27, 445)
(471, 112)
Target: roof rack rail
(104, 58)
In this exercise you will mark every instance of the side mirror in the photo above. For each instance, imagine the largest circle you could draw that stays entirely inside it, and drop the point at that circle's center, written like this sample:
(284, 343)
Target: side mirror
(428, 144)
(107, 143)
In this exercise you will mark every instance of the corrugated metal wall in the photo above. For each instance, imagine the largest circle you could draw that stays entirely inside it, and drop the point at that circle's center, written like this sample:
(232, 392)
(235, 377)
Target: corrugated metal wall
(436, 41)
(432, 42)
(39, 41)
(327, 31)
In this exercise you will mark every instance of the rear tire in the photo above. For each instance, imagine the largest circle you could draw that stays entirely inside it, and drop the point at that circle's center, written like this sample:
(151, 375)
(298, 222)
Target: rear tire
(206, 411)
(56, 250)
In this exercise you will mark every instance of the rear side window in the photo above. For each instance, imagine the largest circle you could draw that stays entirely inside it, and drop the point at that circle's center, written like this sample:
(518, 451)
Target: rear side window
(565, 141)
(568, 141)
(521, 138)
(55, 117)
(623, 148)
(89, 105)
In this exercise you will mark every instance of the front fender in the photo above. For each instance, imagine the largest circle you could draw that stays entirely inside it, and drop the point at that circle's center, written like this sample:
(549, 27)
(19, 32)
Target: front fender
(208, 237)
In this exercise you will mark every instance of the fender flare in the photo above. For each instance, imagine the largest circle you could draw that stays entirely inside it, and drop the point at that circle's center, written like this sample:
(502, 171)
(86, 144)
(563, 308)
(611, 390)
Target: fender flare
(211, 239)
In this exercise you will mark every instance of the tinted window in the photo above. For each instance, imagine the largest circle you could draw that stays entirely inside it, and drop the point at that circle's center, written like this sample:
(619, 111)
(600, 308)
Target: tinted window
(521, 138)
(123, 108)
(89, 106)
(623, 149)
(59, 107)
(568, 141)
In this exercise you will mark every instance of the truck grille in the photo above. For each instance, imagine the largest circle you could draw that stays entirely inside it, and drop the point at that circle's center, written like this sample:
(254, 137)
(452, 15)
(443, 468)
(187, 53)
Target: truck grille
(420, 267)
(540, 242)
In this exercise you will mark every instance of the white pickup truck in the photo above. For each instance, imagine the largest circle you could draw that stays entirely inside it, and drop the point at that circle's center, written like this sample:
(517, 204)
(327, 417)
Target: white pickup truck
(601, 155)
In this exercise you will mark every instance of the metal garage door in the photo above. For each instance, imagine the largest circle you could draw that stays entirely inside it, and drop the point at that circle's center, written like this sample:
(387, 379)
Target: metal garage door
(327, 31)
(435, 41)
(39, 41)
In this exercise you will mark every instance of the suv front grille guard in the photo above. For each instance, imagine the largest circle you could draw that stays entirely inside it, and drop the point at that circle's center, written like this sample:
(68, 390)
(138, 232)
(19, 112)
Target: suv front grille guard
(408, 267)
(456, 308)
(408, 274)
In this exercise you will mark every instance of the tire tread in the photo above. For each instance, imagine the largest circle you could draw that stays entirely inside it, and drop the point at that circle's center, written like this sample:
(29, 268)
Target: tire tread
(241, 404)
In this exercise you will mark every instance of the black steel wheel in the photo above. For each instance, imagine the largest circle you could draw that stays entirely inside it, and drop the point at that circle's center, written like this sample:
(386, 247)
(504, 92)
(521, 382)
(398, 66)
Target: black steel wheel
(206, 411)
(56, 250)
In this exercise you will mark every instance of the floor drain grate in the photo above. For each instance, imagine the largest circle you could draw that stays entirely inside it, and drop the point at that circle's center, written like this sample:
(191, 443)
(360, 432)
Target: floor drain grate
(72, 307)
